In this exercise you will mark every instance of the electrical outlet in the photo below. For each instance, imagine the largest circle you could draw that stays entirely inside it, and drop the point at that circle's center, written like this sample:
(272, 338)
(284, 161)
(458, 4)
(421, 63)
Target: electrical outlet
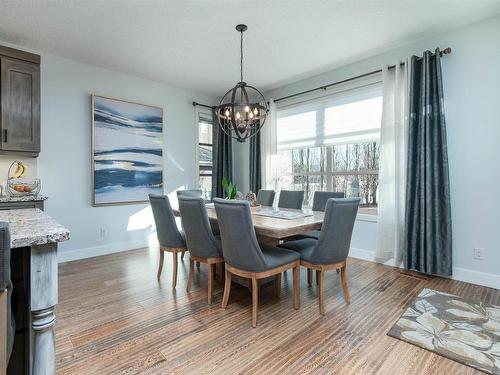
(478, 253)
(103, 232)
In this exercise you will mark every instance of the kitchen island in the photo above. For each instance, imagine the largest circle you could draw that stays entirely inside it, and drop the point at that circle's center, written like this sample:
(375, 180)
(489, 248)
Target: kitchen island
(34, 239)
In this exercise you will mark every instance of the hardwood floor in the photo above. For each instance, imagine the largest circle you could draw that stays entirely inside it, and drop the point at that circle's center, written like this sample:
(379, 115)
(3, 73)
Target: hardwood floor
(114, 318)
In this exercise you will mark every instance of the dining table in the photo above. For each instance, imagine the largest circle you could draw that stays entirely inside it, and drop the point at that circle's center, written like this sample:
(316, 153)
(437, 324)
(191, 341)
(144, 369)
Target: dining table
(278, 225)
(274, 229)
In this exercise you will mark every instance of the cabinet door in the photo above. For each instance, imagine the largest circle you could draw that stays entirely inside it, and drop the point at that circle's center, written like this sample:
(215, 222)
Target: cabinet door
(20, 99)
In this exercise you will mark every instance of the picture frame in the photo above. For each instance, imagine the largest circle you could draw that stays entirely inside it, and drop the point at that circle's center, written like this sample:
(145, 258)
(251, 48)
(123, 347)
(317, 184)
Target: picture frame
(127, 151)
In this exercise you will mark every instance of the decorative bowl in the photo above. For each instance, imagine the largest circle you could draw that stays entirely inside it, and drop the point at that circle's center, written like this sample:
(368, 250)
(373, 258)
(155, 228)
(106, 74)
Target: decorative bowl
(255, 208)
(20, 188)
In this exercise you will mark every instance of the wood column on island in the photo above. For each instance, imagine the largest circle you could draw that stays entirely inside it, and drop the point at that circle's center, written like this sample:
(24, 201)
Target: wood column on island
(37, 234)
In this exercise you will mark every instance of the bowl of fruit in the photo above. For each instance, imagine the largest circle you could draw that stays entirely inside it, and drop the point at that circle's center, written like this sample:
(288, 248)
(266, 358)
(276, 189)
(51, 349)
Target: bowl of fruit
(17, 186)
(21, 187)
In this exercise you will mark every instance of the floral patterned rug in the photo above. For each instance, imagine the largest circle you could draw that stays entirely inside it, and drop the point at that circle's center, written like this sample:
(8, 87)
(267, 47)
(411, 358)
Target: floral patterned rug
(464, 331)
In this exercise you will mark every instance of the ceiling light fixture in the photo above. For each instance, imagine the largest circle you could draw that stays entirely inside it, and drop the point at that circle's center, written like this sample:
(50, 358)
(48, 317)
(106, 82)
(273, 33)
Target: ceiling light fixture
(243, 109)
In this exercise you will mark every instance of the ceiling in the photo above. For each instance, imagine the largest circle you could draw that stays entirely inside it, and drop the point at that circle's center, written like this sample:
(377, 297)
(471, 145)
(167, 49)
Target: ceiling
(193, 44)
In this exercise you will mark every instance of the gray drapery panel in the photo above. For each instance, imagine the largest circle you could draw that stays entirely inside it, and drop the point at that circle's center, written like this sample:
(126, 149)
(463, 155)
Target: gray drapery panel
(222, 158)
(428, 211)
(255, 171)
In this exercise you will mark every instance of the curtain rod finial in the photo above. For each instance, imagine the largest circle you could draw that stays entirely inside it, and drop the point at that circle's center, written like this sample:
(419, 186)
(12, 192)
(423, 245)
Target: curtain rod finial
(447, 51)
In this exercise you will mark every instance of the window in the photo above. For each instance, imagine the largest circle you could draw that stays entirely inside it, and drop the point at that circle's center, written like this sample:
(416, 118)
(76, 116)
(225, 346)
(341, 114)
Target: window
(205, 147)
(332, 144)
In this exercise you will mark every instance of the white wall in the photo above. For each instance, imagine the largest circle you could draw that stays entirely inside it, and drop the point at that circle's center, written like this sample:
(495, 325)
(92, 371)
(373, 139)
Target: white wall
(64, 164)
(472, 94)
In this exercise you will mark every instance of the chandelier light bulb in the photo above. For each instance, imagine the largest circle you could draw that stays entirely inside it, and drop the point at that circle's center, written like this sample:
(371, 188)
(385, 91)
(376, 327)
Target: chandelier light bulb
(227, 113)
(247, 108)
(256, 111)
(238, 116)
(251, 115)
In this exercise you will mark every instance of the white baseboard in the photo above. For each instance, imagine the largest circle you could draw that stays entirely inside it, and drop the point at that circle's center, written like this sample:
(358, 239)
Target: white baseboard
(89, 252)
(475, 277)
(462, 274)
(367, 255)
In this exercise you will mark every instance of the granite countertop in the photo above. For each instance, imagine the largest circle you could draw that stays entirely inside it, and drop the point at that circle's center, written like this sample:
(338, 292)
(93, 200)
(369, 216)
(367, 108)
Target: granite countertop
(32, 226)
(25, 198)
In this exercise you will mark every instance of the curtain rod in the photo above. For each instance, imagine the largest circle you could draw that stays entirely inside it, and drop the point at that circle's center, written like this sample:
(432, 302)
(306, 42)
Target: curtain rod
(446, 51)
(196, 104)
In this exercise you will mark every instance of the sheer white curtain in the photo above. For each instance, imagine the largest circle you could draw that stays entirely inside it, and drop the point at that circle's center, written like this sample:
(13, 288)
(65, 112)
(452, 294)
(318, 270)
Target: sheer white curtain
(392, 164)
(269, 149)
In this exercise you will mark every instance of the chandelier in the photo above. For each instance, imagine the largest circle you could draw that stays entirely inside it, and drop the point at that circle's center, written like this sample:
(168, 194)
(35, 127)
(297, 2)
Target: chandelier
(243, 109)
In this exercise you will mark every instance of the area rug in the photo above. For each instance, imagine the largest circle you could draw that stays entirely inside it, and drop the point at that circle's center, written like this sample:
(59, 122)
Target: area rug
(464, 331)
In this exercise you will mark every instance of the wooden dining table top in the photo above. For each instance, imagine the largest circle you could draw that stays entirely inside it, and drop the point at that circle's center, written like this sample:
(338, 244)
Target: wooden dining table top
(277, 228)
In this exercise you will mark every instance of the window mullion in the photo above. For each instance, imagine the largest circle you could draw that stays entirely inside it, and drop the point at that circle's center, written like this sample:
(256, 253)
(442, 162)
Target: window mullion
(329, 168)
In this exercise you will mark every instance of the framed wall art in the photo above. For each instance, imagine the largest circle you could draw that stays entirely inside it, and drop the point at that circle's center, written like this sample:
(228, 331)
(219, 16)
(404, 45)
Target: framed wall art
(127, 151)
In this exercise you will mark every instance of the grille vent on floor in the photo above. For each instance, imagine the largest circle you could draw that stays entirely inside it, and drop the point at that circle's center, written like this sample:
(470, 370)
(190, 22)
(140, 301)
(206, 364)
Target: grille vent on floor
(415, 275)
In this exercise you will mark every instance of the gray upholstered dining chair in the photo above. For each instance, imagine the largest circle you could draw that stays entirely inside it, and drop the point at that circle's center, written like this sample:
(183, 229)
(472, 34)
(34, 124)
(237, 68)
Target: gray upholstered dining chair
(197, 193)
(245, 257)
(6, 316)
(202, 245)
(169, 236)
(330, 251)
(266, 197)
(291, 199)
(319, 203)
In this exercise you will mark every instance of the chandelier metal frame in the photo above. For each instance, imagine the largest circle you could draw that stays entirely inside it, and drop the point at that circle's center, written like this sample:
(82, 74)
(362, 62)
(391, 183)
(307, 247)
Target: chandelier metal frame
(247, 123)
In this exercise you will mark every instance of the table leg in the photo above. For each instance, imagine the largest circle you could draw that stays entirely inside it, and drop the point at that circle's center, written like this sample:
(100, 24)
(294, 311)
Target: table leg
(268, 240)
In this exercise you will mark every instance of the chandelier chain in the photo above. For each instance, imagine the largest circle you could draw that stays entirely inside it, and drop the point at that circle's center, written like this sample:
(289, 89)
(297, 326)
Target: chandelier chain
(241, 57)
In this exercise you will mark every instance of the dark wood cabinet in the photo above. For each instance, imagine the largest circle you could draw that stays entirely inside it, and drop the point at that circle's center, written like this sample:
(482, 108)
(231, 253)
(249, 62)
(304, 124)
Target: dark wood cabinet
(19, 102)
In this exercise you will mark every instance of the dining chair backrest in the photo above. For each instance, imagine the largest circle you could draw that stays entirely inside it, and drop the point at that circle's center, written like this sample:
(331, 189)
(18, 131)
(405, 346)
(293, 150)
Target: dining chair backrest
(321, 197)
(166, 228)
(239, 242)
(266, 197)
(6, 283)
(336, 232)
(197, 193)
(199, 237)
(291, 199)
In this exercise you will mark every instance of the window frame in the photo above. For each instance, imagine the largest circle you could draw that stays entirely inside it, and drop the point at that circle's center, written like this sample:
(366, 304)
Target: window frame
(317, 99)
(208, 113)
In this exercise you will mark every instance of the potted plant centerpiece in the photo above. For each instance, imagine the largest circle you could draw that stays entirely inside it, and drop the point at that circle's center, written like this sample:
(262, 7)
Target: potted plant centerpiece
(231, 192)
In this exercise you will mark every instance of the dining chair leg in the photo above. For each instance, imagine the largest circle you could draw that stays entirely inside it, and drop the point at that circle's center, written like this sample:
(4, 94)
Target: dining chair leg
(255, 301)
(343, 278)
(277, 284)
(190, 275)
(317, 277)
(182, 255)
(227, 289)
(309, 277)
(321, 276)
(296, 287)
(174, 270)
(210, 282)
(160, 266)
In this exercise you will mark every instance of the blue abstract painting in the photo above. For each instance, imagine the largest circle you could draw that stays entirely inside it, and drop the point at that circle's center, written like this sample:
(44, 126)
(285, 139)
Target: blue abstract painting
(127, 152)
